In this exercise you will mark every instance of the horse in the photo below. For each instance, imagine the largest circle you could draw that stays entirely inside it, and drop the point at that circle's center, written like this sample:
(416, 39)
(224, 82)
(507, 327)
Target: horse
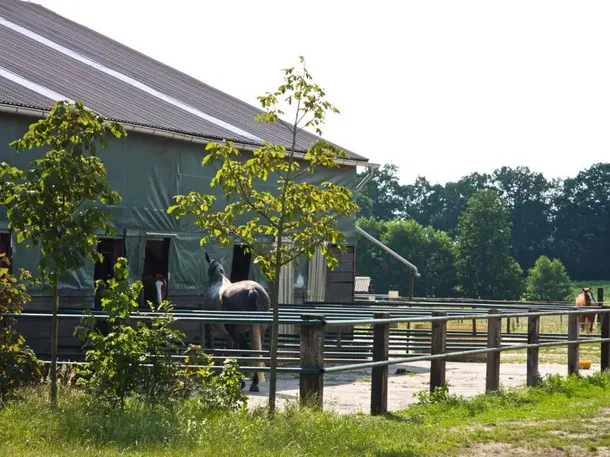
(223, 295)
(585, 298)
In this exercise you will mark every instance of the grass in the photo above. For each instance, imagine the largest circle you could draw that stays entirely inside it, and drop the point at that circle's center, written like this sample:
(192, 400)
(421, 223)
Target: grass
(565, 412)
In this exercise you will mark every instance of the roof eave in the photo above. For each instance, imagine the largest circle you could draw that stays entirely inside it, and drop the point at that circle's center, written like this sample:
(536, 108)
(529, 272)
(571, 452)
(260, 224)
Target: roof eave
(40, 113)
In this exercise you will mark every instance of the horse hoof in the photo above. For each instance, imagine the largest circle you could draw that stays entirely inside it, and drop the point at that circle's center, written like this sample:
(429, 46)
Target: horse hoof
(254, 388)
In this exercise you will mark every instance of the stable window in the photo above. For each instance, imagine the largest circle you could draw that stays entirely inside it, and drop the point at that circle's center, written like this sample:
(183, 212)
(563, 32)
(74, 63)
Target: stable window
(240, 266)
(111, 249)
(156, 264)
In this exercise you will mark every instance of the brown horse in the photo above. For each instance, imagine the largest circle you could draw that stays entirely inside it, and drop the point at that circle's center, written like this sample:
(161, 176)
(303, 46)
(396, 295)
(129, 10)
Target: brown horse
(585, 298)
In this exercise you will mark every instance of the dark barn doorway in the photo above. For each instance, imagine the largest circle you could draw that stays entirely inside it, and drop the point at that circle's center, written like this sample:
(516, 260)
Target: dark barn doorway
(111, 249)
(5, 248)
(240, 266)
(156, 262)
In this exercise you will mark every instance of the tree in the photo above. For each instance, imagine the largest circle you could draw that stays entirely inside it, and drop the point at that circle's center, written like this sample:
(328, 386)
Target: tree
(440, 206)
(55, 204)
(484, 265)
(299, 217)
(18, 363)
(582, 235)
(431, 250)
(528, 195)
(548, 281)
(381, 196)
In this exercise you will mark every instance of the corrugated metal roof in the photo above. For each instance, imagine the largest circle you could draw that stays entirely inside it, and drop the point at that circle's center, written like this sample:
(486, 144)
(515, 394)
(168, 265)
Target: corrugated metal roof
(115, 97)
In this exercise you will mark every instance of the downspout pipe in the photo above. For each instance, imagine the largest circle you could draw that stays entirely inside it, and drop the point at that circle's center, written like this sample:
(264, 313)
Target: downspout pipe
(371, 167)
(398, 257)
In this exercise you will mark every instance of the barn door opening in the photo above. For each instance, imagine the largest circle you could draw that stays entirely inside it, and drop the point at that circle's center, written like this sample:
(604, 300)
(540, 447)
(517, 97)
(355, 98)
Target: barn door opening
(111, 249)
(240, 266)
(5, 248)
(156, 262)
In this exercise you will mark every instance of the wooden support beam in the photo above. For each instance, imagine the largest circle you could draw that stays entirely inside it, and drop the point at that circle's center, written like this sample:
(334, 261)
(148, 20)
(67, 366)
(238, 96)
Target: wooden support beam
(533, 337)
(438, 346)
(311, 385)
(573, 349)
(494, 340)
(379, 380)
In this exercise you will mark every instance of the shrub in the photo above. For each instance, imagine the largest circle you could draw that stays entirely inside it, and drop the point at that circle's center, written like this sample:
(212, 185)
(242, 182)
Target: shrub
(140, 361)
(547, 281)
(18, 363)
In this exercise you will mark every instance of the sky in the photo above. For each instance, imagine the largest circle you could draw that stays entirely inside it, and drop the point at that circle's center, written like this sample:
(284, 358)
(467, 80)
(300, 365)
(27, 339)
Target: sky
(439, 88)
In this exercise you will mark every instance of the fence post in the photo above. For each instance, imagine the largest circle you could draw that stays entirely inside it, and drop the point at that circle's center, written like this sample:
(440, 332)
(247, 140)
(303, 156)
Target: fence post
(438, 346)
(605, 324)
(573, 349)
(411, 284)
(533, 337)
(494, 340)
(600, 302)
(311, 385)
(379, 379)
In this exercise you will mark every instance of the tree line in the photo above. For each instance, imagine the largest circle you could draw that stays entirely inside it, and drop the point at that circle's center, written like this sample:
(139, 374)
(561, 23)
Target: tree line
(481, 234)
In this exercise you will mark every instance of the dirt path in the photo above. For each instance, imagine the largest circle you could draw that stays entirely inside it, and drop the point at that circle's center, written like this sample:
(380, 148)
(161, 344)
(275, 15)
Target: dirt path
(350, 392)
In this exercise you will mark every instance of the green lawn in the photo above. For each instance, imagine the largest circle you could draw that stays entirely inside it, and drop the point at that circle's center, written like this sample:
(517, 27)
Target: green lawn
(562, 414)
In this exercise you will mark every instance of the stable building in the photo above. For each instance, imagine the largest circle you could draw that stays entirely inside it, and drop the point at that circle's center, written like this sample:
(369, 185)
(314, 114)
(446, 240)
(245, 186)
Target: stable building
(169, 117)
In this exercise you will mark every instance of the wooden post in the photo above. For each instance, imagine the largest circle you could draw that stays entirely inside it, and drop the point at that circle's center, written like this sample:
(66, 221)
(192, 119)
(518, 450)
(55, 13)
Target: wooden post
(573, 349)
(438, 346)
(605, 356)
(533, 337)
(379, 380)
(600, 302)
(311, 385)
(494, 340)
(411, 284)
(474, 327)
(508, 325)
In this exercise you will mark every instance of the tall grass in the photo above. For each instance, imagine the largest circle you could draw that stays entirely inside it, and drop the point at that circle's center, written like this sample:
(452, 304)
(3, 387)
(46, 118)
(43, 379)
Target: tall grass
(30, 428)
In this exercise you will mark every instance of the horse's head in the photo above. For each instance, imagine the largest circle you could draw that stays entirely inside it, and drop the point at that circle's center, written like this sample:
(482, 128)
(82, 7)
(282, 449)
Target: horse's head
(588, 294)
(215, 267)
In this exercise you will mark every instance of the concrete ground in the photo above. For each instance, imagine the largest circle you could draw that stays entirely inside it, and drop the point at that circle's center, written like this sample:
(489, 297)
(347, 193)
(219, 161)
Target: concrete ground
(350, 392)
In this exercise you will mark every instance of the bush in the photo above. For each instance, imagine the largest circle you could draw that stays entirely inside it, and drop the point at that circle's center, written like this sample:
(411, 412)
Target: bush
(547, 281)
(140, 361)
(18, 363)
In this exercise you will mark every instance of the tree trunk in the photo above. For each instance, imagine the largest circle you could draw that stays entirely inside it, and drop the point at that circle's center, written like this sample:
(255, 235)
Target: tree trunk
(275, 294)
(54, 340)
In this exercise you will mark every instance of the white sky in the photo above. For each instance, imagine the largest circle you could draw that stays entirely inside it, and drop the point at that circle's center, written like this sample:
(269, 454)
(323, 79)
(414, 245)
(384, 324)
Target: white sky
(441, 88)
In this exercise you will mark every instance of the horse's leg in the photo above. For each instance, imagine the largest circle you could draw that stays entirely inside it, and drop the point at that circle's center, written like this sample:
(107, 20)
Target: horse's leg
(236, 333)
(209, 336)
(257, 345)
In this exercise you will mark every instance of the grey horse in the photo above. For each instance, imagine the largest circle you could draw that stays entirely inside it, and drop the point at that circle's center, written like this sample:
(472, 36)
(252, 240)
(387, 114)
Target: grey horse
(223, 295)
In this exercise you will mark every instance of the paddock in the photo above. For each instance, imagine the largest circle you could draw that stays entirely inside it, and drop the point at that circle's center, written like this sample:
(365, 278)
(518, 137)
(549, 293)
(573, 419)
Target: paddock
(338, 344)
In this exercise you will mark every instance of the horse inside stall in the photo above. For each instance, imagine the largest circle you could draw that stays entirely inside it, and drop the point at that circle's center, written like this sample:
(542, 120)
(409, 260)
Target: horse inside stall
(223, 295)
(585, 298)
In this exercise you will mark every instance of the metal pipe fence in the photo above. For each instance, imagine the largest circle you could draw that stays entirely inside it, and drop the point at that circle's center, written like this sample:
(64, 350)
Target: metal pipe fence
(376, 341)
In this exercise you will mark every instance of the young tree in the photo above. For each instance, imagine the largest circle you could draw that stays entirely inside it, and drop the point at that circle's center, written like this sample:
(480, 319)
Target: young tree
(300, 217)
(548, 281)
(55, 203)
(484, 264)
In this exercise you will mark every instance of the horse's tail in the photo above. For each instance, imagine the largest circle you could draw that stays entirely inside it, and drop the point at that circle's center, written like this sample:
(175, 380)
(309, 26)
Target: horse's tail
(257, 302)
